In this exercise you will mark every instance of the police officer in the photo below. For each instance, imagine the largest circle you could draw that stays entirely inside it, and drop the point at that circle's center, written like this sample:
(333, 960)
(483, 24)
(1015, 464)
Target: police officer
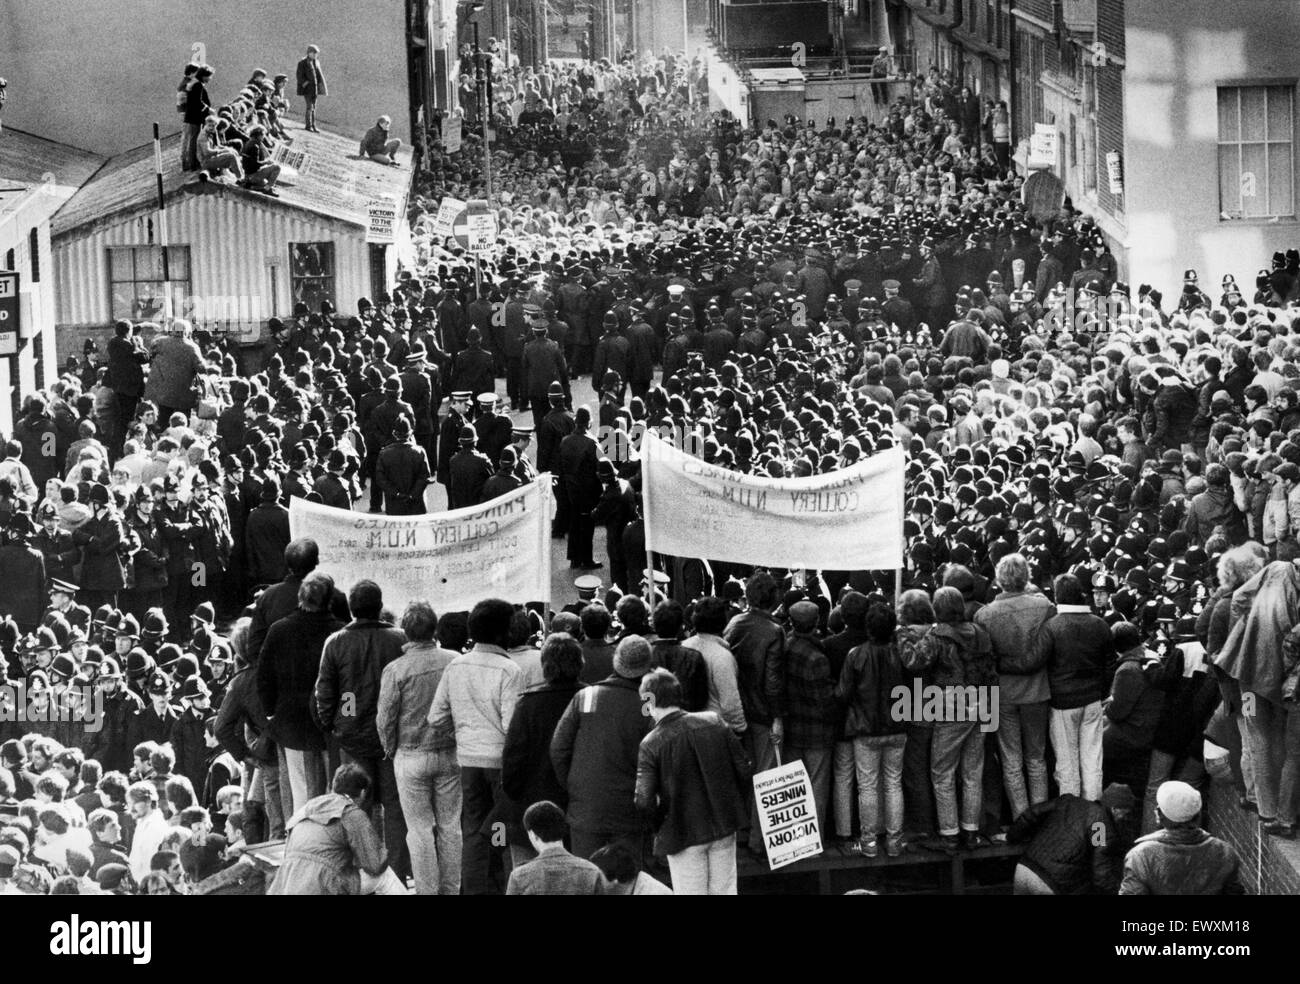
(543, 364)
(402, 473)
(467, 472)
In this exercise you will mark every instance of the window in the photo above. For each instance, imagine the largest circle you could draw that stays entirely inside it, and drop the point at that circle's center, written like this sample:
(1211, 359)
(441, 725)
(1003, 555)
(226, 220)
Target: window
(34, 251)
(311, 273)
(135, 276)
(1256, 151)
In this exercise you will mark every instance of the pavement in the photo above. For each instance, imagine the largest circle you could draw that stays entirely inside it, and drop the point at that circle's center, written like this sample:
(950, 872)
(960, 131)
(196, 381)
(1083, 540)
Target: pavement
(562, 590)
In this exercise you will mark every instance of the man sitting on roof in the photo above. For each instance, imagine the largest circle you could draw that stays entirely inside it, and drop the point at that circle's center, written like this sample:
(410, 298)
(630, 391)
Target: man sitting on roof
(377, 146)
(214, 156)
(260, 172)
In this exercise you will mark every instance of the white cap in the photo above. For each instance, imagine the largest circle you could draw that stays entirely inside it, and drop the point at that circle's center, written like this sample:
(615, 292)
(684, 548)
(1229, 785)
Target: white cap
(1178, 801)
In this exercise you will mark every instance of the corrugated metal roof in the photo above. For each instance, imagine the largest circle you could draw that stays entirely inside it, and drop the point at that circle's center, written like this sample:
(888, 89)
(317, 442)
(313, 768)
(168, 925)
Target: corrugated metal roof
(334, 181)
(31, 165)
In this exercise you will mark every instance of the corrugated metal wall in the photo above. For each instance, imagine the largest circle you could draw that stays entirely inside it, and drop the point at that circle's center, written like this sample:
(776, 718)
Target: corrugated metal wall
(234, 247)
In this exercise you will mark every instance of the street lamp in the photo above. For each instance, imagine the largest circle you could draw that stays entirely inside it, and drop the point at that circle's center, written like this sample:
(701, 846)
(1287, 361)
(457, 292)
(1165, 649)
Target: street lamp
(484, 96)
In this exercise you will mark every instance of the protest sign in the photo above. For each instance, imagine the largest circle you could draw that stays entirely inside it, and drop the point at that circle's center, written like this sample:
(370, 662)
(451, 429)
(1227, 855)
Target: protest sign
(845, 520)
(787, 814)
(453, 559)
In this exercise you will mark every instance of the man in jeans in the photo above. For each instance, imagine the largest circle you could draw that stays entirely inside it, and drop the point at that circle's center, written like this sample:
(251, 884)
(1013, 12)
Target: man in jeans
(424, 758)
(758, 645)
(286, 676)
(878, 735)
(477, 696)
(1012, 622)
(1075, 647)
(692, 771)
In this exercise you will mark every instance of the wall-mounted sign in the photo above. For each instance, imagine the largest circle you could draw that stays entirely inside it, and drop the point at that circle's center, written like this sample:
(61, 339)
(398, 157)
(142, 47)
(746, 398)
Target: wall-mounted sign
(10, 313)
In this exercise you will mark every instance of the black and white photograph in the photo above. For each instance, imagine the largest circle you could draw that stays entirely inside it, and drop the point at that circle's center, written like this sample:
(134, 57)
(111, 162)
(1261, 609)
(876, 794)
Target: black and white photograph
(651, 447)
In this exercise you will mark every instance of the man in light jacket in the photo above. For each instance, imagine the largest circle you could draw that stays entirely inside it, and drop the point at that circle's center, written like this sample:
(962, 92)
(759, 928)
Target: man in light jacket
(1012, 622)
(424, 757)
(477, 696)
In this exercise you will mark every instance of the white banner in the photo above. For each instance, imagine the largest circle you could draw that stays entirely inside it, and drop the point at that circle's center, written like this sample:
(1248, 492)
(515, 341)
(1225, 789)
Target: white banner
(787, 814)
(501, 549)
(848, 520)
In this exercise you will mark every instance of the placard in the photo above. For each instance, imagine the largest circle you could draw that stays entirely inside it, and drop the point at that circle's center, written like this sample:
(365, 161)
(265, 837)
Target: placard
(787, 814)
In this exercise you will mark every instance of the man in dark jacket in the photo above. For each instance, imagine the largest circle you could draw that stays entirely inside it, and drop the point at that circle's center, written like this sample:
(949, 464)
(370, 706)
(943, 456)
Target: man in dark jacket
(811, 711)
(286, 678)
(543, 367)
(687, 665)
(449, 433)
(419, 391)
(468, 471)
(580, 489)
(299, 559)
(311, 85)
(1075, 646)
(402, 473)
(554, 428)
(759, 647)
(1075, 846)
(103, 573)
(111, 744)
(347, 704)
(493, 427)
(692, 780)
(1214, 508)
(474, 370)
(866, 683)
(22, 572)
(594, 752)
(266, 535)
(527, 775)
(126, 358)
(615, 510)
(243, 730)
(198, 107)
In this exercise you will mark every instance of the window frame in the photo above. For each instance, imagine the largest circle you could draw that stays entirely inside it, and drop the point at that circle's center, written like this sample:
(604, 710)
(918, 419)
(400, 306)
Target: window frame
(185, 285)
(330, 250)
(1237, 213)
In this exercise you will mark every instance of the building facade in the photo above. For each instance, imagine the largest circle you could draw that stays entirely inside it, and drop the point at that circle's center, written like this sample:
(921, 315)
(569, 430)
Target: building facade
(36, 178)
(1175, 132)
(235, 258)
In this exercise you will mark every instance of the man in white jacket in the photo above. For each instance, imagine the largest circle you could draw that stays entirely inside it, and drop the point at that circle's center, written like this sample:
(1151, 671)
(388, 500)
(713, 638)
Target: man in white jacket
(150, 827)
(476, 696)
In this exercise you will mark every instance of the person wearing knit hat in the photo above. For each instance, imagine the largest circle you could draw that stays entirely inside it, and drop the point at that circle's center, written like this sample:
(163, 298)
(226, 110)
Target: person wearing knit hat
(632, 658)
(1180, 858)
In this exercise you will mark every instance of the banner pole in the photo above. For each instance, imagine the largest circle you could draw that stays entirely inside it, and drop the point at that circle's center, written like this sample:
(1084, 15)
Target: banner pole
(650, 578)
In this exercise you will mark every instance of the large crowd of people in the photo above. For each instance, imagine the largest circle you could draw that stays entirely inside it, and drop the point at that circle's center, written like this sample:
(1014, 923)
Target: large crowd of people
(1103, 509)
